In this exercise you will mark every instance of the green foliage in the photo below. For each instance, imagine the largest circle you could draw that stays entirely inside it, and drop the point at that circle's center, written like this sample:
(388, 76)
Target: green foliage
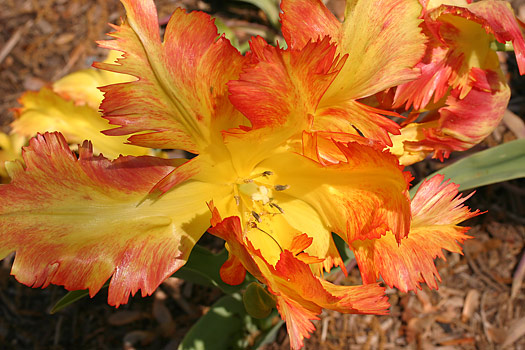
(496, 164)
(220, 328)
(257, 301)
(230, 35)
(203, 268)
(72, 297)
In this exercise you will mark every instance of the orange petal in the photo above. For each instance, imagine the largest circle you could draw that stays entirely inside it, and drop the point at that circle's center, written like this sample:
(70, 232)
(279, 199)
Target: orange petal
(77, 222)
(436, 211)
(285, 86)
(181, 81)
(362, 197)
(232, 271)
(355, 118)
(300, 295)
(307, 20)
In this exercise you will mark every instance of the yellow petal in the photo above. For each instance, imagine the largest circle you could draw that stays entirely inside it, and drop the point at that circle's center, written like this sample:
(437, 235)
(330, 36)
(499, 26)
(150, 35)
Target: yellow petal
(82, 86)
(78, 222)
(45, 110)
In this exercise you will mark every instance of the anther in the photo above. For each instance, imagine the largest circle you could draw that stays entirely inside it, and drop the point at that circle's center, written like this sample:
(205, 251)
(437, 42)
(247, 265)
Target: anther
(281, 187)
(273, 205)
(256, 216)
(267, 173)
(237, 200)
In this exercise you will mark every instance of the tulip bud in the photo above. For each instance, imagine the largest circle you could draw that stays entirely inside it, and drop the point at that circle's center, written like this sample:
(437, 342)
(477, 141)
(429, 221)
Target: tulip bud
(257, 301)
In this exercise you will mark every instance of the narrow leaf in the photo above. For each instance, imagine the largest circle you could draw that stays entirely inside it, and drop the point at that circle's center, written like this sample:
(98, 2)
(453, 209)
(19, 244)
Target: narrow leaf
(219, 328)
(496, 164)
(72, 297)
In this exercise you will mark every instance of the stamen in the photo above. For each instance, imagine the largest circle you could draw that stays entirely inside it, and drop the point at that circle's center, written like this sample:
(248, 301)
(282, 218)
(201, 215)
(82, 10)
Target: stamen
(273, 205)
(269, 235)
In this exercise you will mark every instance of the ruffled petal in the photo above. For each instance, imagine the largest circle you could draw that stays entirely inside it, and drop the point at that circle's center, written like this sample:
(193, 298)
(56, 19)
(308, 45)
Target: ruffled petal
(10, 149)
(459, 51)
(436, 211)
(307, 20)
(362, 197)
(181, 80)
(78, 222)
(301, 296)
(283, 87)
(381, 42)
(47, 111)
(495, 17)
(502, 22)
(351, 117)
(304, 218)
(459, 125)
(82, 86)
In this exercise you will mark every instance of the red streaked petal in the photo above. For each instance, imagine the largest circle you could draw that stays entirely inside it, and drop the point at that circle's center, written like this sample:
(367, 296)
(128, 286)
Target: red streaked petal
(307, 20)
(298, 320)
(381, 41)
(352, 117)
(77, 222)
(503, 24)
(462, 123)
(497, 18)
(181, 81)
(436, 211)
(285, 86)
(438, 203)
(433, 83)
(300, 295)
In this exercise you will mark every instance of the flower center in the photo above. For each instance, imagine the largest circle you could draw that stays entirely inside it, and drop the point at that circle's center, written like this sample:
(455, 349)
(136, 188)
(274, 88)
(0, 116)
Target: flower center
(261, 216)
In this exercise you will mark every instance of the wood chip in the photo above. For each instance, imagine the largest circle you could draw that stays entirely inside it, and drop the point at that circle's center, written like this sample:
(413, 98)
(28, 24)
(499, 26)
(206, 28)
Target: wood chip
(470, 305)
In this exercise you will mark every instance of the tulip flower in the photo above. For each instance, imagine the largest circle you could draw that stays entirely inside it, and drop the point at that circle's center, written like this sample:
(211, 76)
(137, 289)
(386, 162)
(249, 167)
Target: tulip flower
(284, 153)
(462, 93)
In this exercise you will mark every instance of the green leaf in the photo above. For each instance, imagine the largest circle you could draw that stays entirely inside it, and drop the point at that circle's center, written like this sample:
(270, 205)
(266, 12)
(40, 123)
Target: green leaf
(72, 297)
(203, 268)
(496, 164)
(219, 328)
(269, 336)
(270, 8)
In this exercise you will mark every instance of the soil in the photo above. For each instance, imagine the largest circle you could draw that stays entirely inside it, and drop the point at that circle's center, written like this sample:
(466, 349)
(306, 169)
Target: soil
(480, 303)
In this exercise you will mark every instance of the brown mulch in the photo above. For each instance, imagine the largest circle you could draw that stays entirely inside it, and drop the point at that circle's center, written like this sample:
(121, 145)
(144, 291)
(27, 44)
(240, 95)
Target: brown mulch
(480, 303)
